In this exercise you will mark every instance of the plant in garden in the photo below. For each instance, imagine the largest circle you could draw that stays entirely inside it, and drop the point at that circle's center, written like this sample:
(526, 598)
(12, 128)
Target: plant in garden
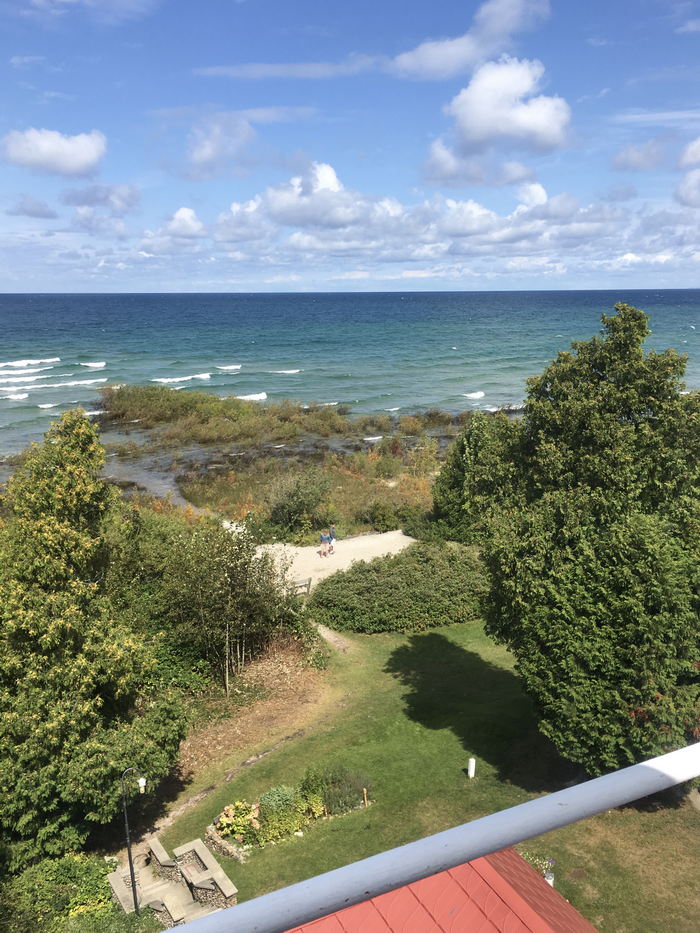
(240, 821)
(72, 709)
(282, 813)
(336, 788)
(423, 586)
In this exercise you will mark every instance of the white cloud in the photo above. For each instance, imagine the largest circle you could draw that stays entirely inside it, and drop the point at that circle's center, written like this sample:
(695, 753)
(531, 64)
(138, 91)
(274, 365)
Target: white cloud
(495, 23)
(24, 61)
(499, 104)
(492, 31)
(641, 157)
(28, 206)
(50, 151)
(119, 199)
(690, 26)
(185, 223)
(446, 167)
(691, 154)
(352, 65)
(532, 194)
(107, 11)
(688, 191)
(221, 140)
(673, 118)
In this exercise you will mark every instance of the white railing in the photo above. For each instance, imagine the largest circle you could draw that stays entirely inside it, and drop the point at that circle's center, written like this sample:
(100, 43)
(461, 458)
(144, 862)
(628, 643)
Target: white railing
(334, 890)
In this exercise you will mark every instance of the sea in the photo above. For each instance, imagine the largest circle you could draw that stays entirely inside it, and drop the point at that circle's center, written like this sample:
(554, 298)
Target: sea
(375, 352)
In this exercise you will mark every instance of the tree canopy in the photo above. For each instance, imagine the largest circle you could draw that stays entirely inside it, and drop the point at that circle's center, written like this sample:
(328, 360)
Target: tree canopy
(588, 513)
(72, 712)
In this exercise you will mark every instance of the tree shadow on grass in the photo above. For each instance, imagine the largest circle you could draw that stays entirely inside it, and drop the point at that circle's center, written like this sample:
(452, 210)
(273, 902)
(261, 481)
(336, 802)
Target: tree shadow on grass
(484, 705)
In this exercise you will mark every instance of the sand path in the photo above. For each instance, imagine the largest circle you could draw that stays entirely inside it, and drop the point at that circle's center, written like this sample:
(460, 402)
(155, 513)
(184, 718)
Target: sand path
(303, 562)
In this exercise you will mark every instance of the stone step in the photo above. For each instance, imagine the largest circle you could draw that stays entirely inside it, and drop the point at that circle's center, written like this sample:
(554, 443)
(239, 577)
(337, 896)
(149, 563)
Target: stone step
(121, 891)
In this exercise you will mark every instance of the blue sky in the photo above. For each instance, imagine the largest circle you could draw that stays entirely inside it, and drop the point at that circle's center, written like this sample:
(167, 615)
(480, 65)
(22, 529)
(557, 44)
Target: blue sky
(260, 145)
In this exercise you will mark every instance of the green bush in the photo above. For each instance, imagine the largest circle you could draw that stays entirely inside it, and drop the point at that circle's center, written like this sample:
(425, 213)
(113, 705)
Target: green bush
(297, 499)
(380, 515)
(336, 787)
(46, 895)
(424, 586)
(282, 812)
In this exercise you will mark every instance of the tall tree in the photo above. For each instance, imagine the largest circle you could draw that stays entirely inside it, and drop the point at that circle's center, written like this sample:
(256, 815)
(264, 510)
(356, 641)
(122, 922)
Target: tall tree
(592, 545)
(71, 713)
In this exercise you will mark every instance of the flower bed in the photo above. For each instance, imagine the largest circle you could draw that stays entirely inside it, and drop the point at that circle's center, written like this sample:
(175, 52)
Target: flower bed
(284, 810)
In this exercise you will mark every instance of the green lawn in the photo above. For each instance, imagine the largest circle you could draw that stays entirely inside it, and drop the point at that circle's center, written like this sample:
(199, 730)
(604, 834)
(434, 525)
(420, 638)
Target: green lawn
(412, 710)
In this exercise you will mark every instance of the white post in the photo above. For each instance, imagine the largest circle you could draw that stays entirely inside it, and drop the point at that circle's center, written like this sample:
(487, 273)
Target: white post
(471, 771)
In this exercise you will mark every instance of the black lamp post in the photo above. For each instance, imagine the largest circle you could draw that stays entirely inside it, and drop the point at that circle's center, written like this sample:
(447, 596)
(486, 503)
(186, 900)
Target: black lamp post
(142, 789)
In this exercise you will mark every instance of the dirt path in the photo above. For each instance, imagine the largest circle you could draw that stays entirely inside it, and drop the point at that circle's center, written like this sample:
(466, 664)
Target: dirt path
(303, 562)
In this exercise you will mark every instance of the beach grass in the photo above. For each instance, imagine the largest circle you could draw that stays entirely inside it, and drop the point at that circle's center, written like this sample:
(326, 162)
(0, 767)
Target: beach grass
(409, 712)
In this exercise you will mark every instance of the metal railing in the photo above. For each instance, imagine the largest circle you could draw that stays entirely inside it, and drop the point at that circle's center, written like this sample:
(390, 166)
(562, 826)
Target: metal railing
(308, 900)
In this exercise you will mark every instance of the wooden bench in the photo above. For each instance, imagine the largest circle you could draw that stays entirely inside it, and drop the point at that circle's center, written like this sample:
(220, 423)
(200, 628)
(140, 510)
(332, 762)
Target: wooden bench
(302, 586)
(212, 870)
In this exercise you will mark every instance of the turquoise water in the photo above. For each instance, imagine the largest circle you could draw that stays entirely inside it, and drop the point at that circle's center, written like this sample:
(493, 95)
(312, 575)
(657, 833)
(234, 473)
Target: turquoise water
(376, 352)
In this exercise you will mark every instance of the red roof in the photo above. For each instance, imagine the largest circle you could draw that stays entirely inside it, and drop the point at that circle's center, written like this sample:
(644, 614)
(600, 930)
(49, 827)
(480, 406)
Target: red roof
(499, 893)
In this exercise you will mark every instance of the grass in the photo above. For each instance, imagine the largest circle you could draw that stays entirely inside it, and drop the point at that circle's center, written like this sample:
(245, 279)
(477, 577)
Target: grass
(410, 712)
(359, 490)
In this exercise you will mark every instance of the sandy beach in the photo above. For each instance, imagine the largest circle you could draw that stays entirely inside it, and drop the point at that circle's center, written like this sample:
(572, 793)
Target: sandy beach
(305, 562)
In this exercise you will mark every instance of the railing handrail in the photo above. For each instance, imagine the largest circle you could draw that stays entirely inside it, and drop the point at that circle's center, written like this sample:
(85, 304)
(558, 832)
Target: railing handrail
(308, 900)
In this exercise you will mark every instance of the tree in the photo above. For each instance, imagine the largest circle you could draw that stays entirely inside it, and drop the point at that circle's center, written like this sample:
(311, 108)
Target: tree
(224, 601)
(592, 545)
(72, 716)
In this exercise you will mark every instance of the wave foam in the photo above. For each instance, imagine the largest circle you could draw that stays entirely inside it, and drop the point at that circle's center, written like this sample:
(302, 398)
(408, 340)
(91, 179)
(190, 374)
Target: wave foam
(183, 378)
(22, 372)
(392, 409)
(97, 411)
(25, 380)
(255, 397)
(95, 365)
(474, 394)
(227, 368)
(57, 385)
(373, 440)
(16, 398)
(48, 405)
(51, 359)
(286, 372)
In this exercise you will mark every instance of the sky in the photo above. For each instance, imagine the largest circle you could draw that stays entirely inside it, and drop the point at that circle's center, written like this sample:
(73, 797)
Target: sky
(269, 145)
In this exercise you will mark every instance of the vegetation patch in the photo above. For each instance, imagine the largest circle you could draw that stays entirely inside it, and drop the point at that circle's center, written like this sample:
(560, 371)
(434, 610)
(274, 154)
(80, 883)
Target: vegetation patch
(423, 586)
(284, 810)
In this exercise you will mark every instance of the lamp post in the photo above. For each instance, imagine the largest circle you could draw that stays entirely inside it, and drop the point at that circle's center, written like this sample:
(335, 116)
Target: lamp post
(142, 789)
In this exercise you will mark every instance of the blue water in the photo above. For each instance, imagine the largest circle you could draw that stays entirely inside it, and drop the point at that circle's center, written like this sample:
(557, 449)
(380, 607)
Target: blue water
(375, 352)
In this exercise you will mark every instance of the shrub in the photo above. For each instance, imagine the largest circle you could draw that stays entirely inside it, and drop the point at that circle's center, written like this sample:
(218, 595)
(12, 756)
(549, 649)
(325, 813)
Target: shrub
(46, 895)
(296, 499)
(380, 515)
(424, 586)
(410, 425)
(282, 812)
(338, 788)
(240, 821)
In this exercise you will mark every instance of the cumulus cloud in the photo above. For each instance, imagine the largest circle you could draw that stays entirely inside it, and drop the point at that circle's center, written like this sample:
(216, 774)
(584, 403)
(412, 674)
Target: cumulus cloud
(688, 191)
(118, 199)
(641, 157)
(50, 151)
(450, 169)
(499, 105)
(28, 206)
(495, 24)
(185, 223)
(220, 140)
(691, 154)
